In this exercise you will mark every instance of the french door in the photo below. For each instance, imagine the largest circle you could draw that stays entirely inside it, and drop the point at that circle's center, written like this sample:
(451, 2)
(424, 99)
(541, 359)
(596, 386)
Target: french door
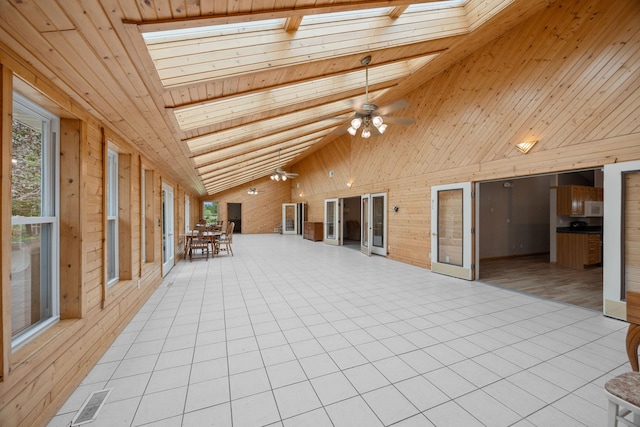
(332, 221)
(289, 218)
(451, 230)
(621, 244)
(168, 247)
(373, 208)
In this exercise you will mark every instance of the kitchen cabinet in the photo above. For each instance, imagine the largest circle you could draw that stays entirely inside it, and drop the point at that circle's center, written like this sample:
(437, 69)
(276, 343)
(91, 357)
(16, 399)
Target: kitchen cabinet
(579, 250)
(313, 231)
(571, 198)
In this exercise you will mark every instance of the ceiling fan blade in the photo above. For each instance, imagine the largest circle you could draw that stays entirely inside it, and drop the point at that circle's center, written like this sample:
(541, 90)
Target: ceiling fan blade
(291, 174)
(394, 106)
(399, 120)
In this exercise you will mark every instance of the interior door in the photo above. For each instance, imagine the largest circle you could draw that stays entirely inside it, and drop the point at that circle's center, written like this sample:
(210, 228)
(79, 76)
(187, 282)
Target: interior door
(378, 223)
(451, 230)
(168, 246)
(366, 231)
(331, 221)
(621, 245)
(289, 218)
(373, 220)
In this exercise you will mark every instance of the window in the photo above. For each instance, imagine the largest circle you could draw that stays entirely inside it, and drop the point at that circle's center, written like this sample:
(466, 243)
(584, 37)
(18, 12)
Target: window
(34, 220)
(187, 213)
(210, 211)
(112, 218)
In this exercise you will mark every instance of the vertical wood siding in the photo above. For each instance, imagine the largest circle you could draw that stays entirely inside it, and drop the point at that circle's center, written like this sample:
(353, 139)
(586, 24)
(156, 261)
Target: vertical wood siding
(568, 77)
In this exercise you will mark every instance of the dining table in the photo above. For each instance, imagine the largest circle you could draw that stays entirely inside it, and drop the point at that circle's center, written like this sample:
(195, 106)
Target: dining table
(211, 233)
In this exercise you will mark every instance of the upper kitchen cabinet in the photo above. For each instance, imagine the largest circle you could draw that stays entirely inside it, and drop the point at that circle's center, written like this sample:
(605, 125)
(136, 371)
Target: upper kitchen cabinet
(571, 198)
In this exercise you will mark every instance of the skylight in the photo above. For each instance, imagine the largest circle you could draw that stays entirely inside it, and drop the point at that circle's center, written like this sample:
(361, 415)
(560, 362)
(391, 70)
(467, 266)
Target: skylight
(436, 5)
(213, 31)
(337, 17)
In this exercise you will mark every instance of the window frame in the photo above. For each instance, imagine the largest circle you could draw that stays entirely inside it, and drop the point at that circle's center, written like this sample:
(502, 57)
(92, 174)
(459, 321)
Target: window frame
(50, 213)
(113, 254)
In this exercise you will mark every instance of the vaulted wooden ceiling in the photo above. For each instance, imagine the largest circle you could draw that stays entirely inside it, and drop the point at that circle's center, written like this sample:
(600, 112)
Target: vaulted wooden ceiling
(220, 93)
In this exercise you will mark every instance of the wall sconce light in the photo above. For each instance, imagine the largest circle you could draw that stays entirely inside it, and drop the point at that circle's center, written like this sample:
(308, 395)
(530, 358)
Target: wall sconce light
(525, 146)
(395, 208)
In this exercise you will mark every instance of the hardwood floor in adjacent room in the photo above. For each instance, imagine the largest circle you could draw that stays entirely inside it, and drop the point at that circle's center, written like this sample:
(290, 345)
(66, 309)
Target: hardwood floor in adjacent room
(535, 275)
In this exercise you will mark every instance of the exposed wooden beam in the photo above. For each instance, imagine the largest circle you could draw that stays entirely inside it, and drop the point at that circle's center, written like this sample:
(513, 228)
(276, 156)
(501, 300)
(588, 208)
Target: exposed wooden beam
(292, 23)
(203, 21)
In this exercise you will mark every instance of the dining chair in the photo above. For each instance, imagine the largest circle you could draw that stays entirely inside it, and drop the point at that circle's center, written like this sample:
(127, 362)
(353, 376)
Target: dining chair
(199, 242)
(226, 239)
(623, 391)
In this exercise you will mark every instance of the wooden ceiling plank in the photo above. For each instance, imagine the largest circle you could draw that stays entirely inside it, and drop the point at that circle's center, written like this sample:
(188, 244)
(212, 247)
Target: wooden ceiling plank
(178, 9)
(249, 147)
(223, 109)
(171, 46)
(255, 167)
(284, 134)
(45, 16)
(252, 155)
(217, 64)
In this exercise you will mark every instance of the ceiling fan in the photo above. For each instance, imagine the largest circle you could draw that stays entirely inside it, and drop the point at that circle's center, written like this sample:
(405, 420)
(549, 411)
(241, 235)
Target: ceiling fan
(373, 119)
(280, 174)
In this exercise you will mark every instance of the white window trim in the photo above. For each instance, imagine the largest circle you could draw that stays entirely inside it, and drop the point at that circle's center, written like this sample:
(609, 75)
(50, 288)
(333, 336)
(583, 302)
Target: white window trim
(51, 206)
(112, 212)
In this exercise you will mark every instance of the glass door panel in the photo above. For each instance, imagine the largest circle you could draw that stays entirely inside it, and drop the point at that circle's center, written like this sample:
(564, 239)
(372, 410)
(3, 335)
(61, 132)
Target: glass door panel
(331, 222)
(289, 218)
(379, 224)
(366, 231)
(168, 248)
(451, 225)
(621, 246)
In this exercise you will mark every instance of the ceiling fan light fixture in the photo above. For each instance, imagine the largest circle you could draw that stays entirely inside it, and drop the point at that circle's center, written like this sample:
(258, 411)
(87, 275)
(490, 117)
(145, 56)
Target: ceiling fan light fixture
(284, 177)
(356, 123)
(382, 128)
(366, 133)
(352, 131)
(377, 121)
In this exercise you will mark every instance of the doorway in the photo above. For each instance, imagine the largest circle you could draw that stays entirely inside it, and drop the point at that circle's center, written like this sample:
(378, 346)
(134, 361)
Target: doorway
(517, 241)
(234, 214)
(351, 222)
(168, 246)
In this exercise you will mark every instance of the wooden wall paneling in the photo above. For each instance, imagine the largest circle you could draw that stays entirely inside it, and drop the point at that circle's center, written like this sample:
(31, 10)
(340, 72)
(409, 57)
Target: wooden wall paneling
(71, 214)
(6, 113)
(586, 75)
(537, 78)
(523, 79)
(125, 215)
(527, 77)
(262, 212)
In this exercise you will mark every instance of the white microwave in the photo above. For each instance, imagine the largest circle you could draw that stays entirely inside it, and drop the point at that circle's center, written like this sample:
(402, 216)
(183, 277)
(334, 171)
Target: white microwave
(593, 208)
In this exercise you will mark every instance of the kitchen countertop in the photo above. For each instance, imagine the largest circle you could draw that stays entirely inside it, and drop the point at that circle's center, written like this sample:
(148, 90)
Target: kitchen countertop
(595, 229)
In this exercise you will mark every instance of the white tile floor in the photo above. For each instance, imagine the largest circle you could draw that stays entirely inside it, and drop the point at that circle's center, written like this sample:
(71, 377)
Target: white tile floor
(289, 332)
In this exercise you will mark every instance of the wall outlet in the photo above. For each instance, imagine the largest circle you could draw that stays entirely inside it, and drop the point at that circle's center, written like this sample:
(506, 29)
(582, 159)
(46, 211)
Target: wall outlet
(330, 174)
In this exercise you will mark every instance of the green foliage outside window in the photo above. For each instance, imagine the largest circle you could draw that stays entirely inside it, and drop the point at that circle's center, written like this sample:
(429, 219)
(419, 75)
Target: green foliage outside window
(210, 211)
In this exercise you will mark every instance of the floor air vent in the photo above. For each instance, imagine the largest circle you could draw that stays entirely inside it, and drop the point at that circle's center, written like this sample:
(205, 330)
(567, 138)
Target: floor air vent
(90, 408)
